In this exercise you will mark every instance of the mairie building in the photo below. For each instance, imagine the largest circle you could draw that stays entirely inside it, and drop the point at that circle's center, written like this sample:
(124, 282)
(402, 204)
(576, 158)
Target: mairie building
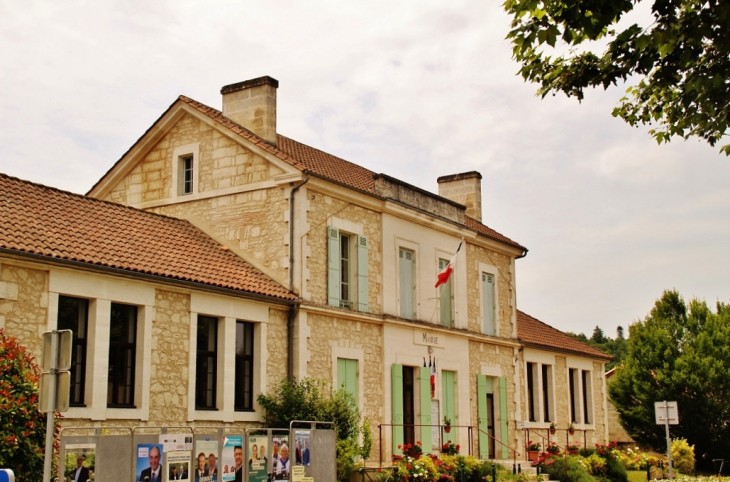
(217, 258)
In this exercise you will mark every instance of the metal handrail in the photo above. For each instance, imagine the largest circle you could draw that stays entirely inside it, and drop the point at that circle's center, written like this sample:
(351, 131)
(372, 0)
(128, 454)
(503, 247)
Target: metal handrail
(515, 453)
(567, 435)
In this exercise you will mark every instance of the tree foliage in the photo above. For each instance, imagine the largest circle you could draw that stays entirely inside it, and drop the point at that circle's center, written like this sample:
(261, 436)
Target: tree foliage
(22, 426)
(679, 352)
(308, 400)
(680, 62)
(616, 347)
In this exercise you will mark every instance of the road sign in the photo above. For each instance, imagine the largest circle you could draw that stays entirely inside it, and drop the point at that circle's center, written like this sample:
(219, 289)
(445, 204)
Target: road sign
(59, 403)
(6, 475)
(666, 412)
(63, 359)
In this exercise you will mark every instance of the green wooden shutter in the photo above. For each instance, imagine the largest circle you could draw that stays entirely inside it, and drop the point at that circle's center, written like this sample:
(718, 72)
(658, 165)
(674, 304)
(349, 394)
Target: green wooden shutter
(504, 437)
(406, 283)
(362, 273)
(347, 377)
(425, 389)
(448, 383)
(446, 296)
(489, 326)
(482, 390)
(396, 377)
(333, 263)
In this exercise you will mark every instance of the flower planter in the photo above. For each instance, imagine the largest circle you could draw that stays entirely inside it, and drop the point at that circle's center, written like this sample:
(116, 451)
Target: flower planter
(533, 455)
(552, 431)
(573, 452)
(571, 431)
(447, 429)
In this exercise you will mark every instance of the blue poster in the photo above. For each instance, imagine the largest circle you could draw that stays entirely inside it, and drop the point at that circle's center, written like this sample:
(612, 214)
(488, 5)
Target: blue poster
(149, 463)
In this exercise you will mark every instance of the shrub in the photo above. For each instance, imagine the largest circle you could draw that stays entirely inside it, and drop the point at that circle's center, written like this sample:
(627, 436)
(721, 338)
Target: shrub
(22, 426)
(616, 471)
(568, 469)
(307, 400)
(683, 456)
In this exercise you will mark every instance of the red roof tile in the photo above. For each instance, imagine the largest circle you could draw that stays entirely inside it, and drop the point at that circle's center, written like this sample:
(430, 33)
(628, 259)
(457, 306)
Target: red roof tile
(49, 222)
(534, 332)
(307, 158)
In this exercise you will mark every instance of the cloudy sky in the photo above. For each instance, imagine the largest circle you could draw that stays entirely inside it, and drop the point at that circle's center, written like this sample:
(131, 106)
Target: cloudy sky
(414, 89)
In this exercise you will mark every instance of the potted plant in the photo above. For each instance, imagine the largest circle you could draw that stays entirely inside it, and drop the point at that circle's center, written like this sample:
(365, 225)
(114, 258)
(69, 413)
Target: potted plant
(553, 428)
(552, 448)
(450, 448)
(573, 448)
(571, 429)
(533, 450)
(447, 424)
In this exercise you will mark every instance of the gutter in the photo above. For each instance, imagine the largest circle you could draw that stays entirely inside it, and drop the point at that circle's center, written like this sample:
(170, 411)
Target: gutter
(295, 306)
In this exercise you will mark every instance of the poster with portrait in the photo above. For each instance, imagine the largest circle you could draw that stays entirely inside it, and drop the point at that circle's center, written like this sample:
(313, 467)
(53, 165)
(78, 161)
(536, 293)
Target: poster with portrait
(206, 461)
(258, 458)
(149, 463)
(80, 462)
(232, 458)
(302, 456)
(280, 457)
(178, 465)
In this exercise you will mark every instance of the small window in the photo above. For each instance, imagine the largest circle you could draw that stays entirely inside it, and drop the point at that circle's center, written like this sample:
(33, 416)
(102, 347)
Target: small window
(574, 385)
(587, 397)
(547, 393)
(345, 282)
(244, 366)
(532, 391)
(122, 355)
(73, 315)
(186, 171)
(206, 369)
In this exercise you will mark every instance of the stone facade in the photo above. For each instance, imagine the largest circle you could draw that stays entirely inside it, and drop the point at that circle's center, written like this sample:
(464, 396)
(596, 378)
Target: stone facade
(477, 256)
(170, 372)
(322, 209)
(24, 303)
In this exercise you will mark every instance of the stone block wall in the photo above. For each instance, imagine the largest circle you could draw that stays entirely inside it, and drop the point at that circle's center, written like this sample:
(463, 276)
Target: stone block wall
(276, 345)
(24, 304)
(499, 357)
(474, 256)
(321, 208)
(252, 223)
(328, 332)
(170, 372)
(222, 164)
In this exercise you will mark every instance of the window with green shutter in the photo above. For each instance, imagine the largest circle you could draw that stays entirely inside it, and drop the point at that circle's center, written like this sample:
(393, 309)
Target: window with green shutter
(448, 402)
(347, 270)
(407, 284)
(488, 312)
(347, 377)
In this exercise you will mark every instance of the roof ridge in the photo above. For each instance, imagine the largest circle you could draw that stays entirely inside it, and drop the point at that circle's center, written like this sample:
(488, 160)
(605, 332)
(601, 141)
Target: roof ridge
(563, 333)
(94, 199)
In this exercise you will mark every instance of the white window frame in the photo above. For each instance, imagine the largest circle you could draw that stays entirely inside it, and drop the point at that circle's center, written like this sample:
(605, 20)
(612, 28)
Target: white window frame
(354, 231)
(581, 365)
(178, 156)
(401, 243)
(539, 359)
(485, 268)
(97, 289)
(228, 311)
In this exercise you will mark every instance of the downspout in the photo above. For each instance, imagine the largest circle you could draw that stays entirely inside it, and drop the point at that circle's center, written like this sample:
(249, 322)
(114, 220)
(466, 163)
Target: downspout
(295, 307)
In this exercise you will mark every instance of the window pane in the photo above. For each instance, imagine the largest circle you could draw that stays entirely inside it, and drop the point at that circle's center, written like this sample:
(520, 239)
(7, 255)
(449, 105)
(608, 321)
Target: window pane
(122, 353)
(206, 363)
(244, 366)
(72, 315)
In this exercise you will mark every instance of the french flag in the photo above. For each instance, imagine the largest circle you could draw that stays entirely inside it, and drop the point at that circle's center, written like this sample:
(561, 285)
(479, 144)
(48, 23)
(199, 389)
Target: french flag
(445, 273)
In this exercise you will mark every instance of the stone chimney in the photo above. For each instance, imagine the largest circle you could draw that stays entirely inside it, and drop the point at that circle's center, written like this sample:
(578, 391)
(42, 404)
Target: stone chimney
(465, 189)
(252, 104)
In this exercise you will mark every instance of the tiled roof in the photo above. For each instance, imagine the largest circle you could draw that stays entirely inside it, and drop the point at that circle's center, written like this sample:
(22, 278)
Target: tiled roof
(307, 158)
(52, 223)
(534, 332)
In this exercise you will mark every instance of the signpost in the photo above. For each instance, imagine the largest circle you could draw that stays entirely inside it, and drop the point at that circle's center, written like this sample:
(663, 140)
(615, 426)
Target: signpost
(667, 414)
(55, 384)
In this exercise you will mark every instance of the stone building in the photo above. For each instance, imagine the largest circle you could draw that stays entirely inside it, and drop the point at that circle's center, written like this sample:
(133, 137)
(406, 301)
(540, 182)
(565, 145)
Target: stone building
(222, 257)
